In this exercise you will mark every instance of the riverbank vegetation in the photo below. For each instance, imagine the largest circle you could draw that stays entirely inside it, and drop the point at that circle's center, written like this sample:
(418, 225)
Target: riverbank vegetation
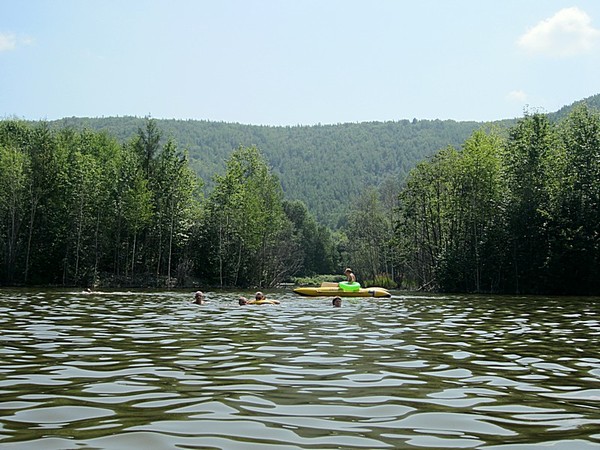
(512, 209)
(79, 208)
(508, 214)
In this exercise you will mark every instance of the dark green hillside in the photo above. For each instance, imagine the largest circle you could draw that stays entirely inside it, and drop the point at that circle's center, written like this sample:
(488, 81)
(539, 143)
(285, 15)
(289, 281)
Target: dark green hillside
(592, 102)
(326, 166)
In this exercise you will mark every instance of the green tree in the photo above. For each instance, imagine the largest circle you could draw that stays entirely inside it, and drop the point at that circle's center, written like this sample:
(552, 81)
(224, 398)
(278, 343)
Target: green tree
(134, 208)
(472, 260)
(575, 226)
(425, 230)
(369, 236)
(175, 190)
(248, 233)
(147, 145)
(451, 224)
(530, 149)
(14, 180)
(92, 167)
(315, 241)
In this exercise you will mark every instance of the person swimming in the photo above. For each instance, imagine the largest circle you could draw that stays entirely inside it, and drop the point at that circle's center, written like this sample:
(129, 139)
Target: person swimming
(259, 299)
(199, 298)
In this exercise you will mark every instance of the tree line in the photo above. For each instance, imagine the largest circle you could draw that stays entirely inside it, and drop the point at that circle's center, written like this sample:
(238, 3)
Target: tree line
(508, 212)
(513, 209)
(81, 208)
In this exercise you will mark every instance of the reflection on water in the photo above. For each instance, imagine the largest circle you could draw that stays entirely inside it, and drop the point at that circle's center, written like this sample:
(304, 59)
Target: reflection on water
(134, 370)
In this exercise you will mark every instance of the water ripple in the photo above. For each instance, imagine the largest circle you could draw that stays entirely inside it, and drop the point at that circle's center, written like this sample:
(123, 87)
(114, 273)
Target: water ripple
(131, 369)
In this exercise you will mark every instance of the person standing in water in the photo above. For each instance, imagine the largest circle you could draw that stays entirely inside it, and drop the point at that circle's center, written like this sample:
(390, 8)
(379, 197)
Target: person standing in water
(336, 302)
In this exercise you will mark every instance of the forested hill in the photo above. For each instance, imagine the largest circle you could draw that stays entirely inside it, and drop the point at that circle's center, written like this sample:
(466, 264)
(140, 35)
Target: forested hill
(592, 102)
(326, 166)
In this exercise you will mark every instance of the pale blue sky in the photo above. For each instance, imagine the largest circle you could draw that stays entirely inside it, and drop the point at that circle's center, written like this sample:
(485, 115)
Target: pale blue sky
(283, 62)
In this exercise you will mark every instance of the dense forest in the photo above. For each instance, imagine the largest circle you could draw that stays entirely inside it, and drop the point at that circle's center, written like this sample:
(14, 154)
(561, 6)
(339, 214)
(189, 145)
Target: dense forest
(505, 207)
(508, 214)
(324, 166)
(81, 208)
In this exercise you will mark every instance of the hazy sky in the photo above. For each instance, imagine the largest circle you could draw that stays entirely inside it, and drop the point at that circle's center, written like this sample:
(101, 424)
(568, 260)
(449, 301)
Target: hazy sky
(286, 62)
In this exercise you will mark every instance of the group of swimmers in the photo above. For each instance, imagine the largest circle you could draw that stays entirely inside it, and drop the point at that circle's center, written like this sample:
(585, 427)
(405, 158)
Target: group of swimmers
(259, 299)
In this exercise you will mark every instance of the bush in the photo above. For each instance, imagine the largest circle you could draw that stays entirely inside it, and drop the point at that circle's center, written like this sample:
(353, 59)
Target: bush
(382, 280)
(317, 280)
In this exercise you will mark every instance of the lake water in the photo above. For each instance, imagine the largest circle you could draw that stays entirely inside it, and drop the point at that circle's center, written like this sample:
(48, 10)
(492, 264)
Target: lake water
(131, 370)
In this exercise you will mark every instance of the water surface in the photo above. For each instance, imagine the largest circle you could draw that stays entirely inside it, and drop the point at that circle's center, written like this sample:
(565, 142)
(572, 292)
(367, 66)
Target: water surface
(128, 370)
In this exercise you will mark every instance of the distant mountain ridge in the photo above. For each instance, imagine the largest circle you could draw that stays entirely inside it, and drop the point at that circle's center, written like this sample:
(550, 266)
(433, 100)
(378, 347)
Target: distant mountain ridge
(592, 102)
(326, 166)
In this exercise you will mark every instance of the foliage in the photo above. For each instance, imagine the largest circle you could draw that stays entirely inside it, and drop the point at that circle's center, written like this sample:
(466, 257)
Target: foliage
(573, 257)
(248, 238)
(14, 175)
(77, 206)
(381, 280)
(518, 213)
(507, 209)
(322, 165)
(369, 232)
(318, 250)
(317, 280)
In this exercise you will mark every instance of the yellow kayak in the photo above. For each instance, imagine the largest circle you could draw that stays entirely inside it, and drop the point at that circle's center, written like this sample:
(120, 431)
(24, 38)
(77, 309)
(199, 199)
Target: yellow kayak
(331, 291)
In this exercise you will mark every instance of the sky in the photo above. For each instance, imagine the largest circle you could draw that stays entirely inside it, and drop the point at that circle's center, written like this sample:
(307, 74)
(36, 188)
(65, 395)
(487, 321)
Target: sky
(296, 62)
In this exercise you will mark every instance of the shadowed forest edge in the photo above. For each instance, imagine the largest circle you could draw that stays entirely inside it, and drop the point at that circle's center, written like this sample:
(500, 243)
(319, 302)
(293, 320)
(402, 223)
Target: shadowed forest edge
(510, 209)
